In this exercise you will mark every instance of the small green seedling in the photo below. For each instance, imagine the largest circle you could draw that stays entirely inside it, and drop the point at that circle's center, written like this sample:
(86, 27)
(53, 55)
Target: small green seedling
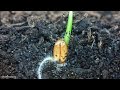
(60, 49)
(69, 28)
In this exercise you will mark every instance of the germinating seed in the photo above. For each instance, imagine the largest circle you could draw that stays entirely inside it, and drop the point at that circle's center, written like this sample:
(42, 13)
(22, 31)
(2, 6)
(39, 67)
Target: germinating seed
(60, 51)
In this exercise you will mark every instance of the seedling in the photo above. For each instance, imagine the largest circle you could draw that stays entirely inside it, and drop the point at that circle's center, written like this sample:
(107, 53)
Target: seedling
(60, 50)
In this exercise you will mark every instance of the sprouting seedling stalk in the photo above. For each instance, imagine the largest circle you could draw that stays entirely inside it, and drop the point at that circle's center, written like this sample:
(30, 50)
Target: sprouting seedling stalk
(57, 48)
(69, 28)
(60, 50)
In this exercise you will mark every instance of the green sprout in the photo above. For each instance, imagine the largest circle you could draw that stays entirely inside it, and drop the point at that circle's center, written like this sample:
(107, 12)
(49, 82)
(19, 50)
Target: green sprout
(69, 28)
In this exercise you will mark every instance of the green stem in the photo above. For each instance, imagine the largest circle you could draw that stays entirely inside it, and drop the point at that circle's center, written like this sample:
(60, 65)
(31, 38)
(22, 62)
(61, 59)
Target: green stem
(69, 28)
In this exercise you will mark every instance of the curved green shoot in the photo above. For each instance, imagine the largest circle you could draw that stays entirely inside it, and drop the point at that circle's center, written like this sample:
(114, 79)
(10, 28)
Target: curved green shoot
(69, 28)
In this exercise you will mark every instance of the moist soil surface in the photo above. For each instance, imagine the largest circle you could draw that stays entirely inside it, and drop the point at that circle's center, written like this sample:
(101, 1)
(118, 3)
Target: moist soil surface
(26, 38)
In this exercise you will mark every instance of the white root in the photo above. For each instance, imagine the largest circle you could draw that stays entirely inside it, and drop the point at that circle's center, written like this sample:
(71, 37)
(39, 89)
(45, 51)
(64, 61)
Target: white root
(41, 66)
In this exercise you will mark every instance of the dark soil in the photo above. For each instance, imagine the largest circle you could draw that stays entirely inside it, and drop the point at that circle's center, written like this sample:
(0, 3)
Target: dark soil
(94, 50)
